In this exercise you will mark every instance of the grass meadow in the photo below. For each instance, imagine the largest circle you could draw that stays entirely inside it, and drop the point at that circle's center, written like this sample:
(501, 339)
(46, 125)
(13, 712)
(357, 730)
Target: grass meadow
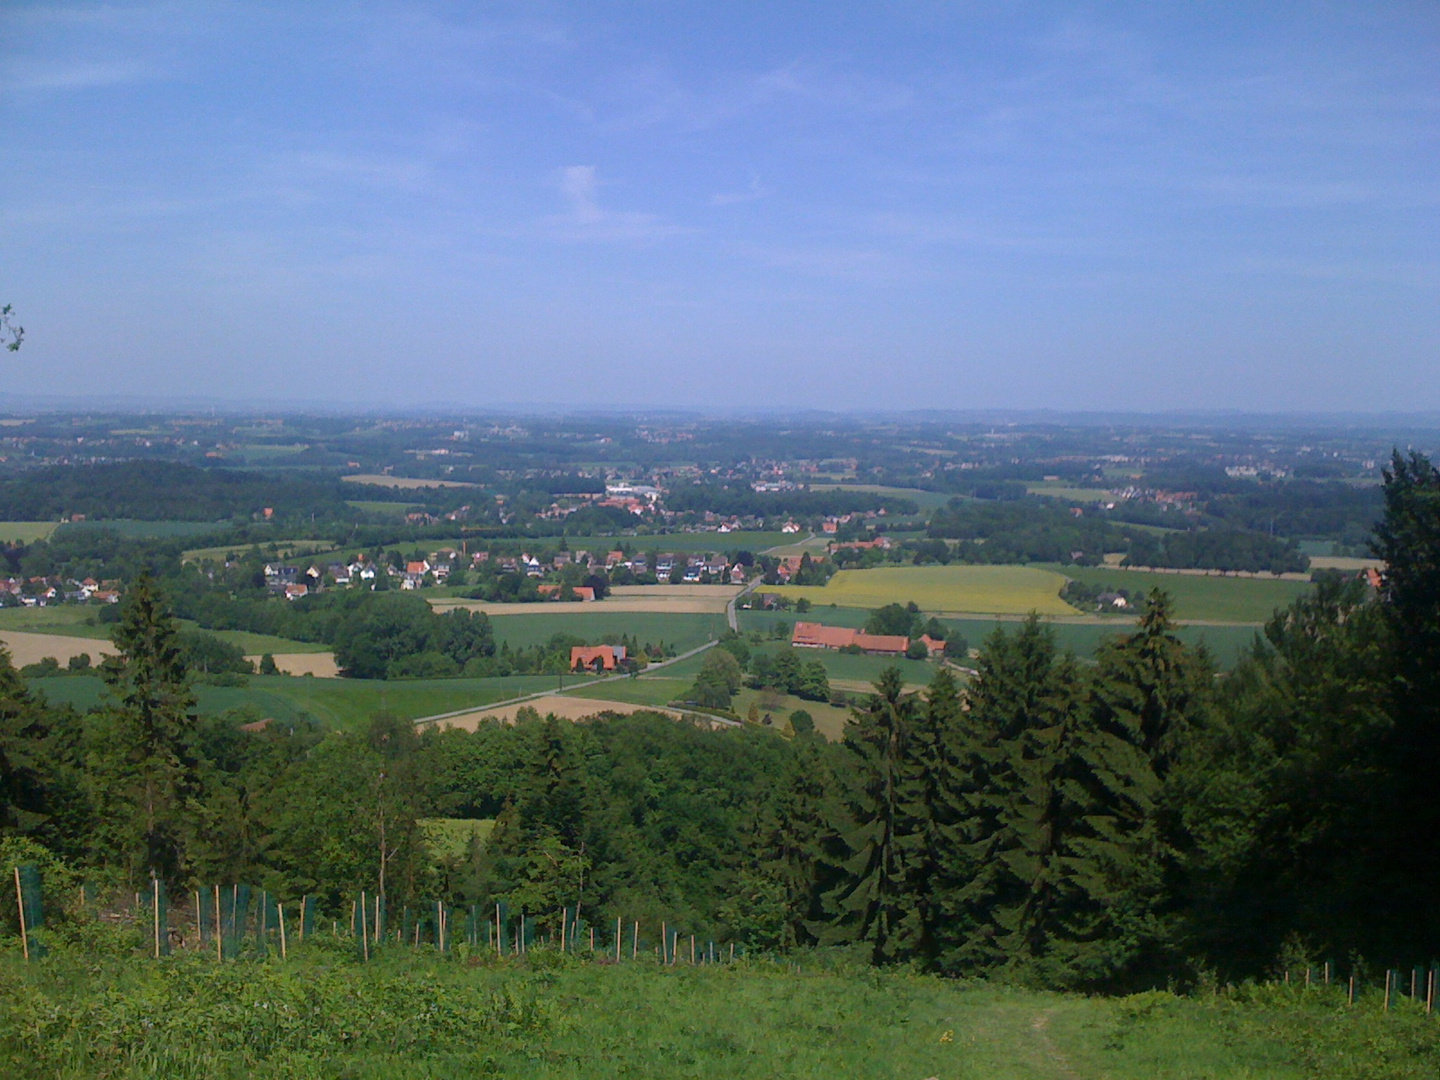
(926, 500)
(1198, 596)
(26, 532)
(77, 620)
(998, 590)
(321, 1013)
(344, 704)
(149, 530)
(683, 630)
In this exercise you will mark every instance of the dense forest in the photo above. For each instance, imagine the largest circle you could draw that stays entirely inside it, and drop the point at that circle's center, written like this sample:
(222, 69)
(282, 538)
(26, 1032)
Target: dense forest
(1117, 824)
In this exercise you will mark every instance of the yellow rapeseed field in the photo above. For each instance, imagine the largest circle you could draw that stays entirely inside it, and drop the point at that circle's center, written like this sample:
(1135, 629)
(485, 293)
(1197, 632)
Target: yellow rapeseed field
(990, 590)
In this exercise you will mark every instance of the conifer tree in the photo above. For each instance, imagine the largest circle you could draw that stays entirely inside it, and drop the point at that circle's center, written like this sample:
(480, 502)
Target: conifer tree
(1407, 538)
(933, 802)
(791, 835)
(142, 767)
(872, 905)
(1016, 700)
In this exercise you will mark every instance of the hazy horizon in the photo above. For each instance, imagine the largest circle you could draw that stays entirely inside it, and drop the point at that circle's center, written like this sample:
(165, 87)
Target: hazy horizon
(1025, 208)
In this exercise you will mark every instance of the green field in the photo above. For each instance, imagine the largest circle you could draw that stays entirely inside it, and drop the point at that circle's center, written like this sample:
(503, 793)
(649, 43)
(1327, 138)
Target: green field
(78, 620)
(72, 620)
(763, 622)
(667, 542)
(372, 506)
(1212, 598)
(999, 590)
(926, 500)
(1069, 493)
(336, 703)
(865, 669)
(829, 719)
(26, 532)
(684, 631)
(258, 644)
(1226, 643)
(149, 530)
(320, 1013)
(284, 549)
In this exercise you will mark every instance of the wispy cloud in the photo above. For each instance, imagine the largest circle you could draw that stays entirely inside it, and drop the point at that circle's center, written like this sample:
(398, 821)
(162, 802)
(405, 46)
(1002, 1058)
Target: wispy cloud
(754, 190)
(32, 75)
(586, 219)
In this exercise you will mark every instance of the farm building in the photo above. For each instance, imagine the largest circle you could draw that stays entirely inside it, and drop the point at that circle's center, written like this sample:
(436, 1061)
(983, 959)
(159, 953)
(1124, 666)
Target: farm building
(809, 635)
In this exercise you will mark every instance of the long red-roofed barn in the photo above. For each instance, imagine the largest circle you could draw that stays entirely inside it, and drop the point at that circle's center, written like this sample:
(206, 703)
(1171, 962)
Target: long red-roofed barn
(809, 635)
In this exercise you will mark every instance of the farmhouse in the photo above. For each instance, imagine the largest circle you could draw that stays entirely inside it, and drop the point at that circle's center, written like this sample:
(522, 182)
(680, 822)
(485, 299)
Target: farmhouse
(596, 657)
(809, 635)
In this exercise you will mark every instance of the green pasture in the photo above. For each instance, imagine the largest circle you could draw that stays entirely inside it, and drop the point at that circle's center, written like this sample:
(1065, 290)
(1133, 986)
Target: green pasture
(1212, 598)
(1226, 643)
(71, 620)
(283, 549)
(78, 620)
(376, 506)
(763, 622)
(335, 703)
(687, 543)
(258, 644)
(26, 532)
(926, 500)
(862, 669)
(1000, 590)
(411, 1013)
(148, 530)
(668, 683)
(683, 630)
(829, 719)
(1069, 493)
(643, 690)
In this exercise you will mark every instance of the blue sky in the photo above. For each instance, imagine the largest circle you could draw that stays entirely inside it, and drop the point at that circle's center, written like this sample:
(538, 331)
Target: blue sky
(847, 206)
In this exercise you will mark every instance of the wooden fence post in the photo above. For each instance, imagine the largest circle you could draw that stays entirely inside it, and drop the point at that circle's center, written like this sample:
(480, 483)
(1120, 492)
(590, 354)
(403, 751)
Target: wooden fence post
(20, 905)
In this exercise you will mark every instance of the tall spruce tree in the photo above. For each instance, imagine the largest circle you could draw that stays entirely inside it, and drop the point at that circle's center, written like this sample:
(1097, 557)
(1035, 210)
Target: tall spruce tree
(1061, 844)
(141, 761)
(1016, 703)
(1407, 538)
(872, 904)
(789, 840)
(1288, 788)
(933, 800)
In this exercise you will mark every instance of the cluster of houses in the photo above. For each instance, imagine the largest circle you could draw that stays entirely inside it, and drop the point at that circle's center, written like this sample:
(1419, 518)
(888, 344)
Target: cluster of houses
(294, 582)
(812, 635)
(44, 591)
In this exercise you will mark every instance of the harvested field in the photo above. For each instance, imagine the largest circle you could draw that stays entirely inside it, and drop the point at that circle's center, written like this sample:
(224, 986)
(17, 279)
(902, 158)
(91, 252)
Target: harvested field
(405, 482)
(1344, 562)
(32, 648)
(566, 708)
(320, 664)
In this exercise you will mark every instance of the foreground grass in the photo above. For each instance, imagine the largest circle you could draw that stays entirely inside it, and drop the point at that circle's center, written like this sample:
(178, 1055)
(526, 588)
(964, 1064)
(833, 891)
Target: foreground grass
(323, 1015)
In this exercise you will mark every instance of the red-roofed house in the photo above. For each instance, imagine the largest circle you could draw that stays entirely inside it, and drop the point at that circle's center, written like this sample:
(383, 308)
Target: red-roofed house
(596, 657)
(937, 648)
